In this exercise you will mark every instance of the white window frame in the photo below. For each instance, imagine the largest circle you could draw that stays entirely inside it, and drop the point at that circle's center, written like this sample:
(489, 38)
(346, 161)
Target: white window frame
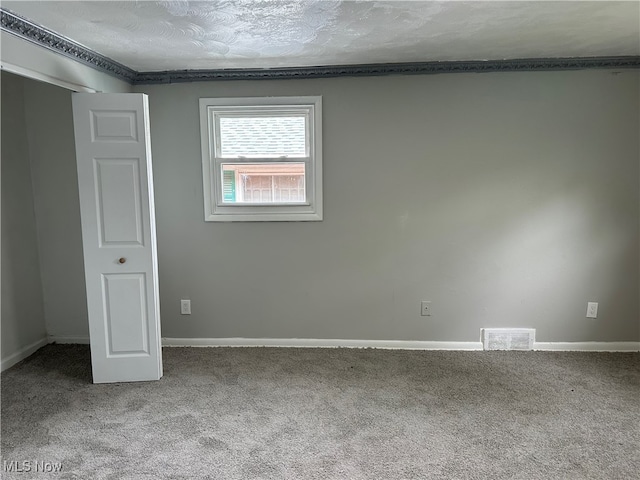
(214, 208)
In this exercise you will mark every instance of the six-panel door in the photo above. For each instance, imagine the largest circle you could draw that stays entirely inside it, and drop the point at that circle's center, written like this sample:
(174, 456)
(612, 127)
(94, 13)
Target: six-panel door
(118, 231)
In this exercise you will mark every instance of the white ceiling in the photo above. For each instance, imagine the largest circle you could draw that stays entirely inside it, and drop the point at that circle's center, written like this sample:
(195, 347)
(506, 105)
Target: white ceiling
(217, 34)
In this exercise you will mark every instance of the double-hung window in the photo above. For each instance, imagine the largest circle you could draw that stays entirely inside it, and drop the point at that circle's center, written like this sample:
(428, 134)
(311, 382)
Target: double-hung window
(262, 158)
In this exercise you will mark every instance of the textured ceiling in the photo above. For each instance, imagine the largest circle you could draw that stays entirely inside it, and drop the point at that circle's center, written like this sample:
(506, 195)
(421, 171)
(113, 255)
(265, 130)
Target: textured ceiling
(217, 34)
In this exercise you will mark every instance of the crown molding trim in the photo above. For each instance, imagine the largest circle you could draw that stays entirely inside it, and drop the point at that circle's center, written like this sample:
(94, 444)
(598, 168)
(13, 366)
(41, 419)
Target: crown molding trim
(39, 35)
(369, 70)
(43, 37)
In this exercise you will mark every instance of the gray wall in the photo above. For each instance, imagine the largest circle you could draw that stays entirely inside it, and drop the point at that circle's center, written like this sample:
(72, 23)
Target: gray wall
(49, 120)
(22, 312)
(506, 199)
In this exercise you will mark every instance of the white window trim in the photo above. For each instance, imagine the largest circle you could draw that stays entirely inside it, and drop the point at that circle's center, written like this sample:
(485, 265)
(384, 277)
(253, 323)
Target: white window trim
(215, 210)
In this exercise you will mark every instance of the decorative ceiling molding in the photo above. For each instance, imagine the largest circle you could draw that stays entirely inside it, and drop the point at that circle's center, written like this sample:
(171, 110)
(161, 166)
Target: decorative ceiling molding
(64, 46)
(423, 68)
(31, 32)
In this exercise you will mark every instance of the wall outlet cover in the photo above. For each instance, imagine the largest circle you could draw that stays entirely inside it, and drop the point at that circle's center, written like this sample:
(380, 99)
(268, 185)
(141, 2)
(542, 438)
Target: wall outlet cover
(185, 307)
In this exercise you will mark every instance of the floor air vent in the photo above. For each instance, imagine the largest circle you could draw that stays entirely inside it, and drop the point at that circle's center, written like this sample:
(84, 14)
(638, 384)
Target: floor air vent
(508, 338)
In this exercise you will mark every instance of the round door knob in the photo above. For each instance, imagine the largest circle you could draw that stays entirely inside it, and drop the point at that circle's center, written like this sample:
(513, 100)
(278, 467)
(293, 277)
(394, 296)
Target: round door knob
(122, 260)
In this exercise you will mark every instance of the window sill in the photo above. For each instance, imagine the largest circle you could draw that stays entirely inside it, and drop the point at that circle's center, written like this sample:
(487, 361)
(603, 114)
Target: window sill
(264, 217)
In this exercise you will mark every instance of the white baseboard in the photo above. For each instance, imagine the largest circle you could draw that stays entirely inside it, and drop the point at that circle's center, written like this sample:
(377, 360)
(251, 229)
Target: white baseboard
(23, 353)
(587, 346)
(330, 343)
(319, 343)
(60, 339)
(391, 344)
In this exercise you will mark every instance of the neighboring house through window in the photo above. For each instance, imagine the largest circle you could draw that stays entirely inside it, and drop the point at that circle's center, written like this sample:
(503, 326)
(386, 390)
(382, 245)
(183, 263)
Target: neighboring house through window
(262, 158)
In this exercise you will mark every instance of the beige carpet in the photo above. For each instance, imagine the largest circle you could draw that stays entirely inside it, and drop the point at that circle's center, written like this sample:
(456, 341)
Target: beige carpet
(262, 413)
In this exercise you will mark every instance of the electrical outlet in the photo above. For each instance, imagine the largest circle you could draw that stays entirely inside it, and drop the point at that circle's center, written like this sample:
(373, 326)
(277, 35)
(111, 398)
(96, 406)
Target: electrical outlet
(185, 307)
(592, 310)
(425, 309)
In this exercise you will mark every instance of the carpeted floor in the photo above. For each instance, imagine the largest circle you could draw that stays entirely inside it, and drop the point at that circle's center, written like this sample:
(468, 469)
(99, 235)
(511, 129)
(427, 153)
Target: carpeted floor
(271, 413)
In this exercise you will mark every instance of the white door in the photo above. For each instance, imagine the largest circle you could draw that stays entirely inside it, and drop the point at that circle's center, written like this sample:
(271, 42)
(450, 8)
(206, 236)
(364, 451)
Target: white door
(115, 181)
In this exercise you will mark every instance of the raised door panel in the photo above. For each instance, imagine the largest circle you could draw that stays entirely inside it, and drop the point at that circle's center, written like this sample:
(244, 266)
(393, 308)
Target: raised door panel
(119, 200)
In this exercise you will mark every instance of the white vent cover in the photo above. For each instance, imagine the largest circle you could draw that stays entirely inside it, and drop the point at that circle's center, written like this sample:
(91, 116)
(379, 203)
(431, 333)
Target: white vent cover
(508, 338)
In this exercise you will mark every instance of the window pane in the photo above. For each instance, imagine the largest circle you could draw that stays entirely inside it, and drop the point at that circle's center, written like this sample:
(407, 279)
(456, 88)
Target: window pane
(266, 183)
(263, 136)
